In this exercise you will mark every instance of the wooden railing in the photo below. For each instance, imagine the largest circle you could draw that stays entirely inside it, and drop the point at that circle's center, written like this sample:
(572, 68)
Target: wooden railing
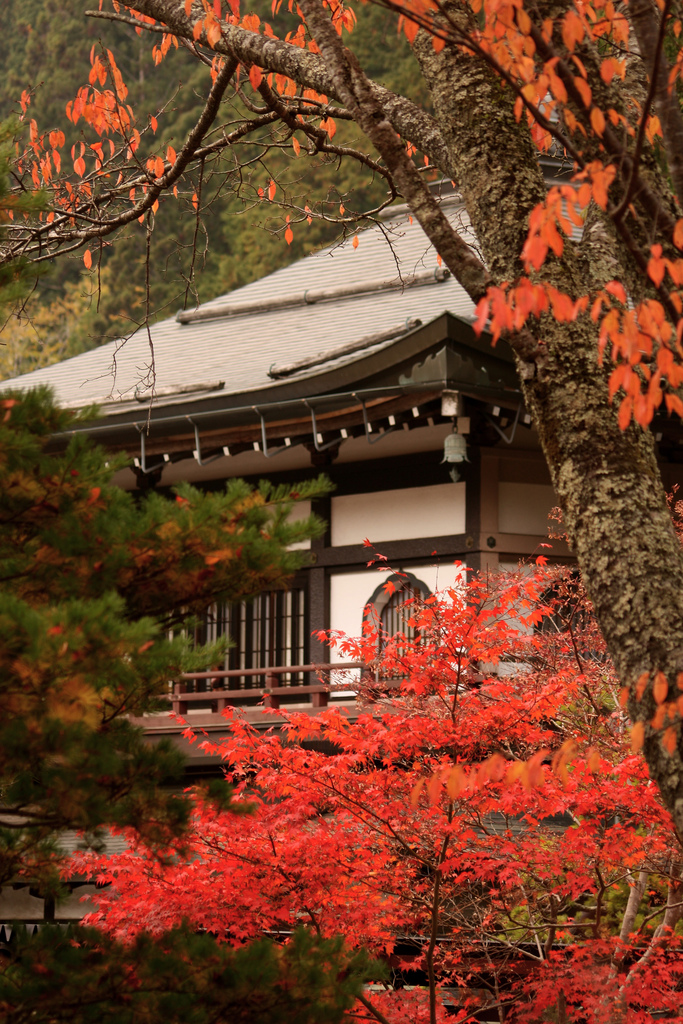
(316, 693)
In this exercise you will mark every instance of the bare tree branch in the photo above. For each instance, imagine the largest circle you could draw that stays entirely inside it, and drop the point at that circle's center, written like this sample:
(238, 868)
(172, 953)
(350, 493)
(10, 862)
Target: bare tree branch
(353, 89)
(309, 69)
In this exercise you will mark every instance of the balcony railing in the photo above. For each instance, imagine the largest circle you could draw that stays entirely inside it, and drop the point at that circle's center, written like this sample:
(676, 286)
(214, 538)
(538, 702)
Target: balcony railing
(317, 694)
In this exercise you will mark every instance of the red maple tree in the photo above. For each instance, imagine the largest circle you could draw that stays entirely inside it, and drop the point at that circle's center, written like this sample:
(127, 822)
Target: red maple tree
(483, 824)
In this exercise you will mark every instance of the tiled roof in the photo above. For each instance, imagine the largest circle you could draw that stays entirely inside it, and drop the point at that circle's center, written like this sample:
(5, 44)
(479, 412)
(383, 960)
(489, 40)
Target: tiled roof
(233, 353)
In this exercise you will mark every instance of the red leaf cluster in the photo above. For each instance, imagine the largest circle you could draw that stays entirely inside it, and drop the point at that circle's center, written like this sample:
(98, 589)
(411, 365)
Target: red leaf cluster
(481, 814)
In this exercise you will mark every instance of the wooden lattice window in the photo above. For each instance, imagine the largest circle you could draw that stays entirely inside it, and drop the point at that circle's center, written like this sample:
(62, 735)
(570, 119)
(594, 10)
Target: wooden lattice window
(269, 630)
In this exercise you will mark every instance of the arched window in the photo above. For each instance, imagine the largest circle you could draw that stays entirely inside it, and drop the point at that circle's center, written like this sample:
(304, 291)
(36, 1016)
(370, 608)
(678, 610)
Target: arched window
(388, 611)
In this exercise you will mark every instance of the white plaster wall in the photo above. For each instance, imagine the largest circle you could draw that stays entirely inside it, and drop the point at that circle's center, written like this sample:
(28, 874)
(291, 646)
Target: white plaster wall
(301, 510)
(524, 508)
(74, 907)
(19, 904)
(351, 591)
(402, 514)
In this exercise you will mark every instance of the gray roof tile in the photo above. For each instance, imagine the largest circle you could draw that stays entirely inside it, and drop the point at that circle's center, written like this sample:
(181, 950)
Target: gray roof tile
(239, 350)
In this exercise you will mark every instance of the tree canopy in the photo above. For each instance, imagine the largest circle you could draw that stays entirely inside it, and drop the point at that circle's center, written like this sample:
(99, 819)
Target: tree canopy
(93, 585)
(97, 590)
(484, 824)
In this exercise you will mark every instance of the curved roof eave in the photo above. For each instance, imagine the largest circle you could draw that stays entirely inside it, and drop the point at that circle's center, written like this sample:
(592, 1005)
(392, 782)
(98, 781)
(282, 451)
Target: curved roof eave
(380, 365)
(426, 359)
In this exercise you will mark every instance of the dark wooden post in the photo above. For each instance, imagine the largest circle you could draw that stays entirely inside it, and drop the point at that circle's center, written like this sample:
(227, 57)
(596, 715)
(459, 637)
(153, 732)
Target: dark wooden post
(318, 586)
(271, 700)
(319, 700)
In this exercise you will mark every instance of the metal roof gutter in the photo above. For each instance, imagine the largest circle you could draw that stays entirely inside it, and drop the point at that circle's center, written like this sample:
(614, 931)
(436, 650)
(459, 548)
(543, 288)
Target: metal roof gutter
(189, 423)
(222, 414)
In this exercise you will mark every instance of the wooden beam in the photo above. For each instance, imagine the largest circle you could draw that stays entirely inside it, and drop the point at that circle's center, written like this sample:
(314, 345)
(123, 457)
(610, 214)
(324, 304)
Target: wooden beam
(455, 546)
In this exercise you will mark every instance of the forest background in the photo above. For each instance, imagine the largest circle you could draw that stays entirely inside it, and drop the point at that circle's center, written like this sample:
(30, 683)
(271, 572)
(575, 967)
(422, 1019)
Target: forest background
(45, 48)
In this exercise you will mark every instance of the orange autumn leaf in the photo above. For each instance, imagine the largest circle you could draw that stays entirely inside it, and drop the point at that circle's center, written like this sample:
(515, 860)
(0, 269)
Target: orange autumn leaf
(656, 266)
(584, 90)
(678, 234)
(454, 782)
(255, 76)
(573, 30)
(669, 740)
(660, 688)
(641, 684)
(434, 789)
(409, 27)
(598, 121)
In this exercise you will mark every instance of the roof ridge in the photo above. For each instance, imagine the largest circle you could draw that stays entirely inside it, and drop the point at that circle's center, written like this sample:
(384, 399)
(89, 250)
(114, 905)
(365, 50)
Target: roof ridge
(311, 296)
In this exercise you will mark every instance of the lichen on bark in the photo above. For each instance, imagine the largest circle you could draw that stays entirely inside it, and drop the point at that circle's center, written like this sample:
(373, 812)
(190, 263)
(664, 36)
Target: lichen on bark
(607, 479)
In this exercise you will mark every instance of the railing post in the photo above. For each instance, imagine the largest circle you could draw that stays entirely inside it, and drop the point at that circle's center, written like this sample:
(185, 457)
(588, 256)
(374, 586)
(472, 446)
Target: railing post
(271, 700)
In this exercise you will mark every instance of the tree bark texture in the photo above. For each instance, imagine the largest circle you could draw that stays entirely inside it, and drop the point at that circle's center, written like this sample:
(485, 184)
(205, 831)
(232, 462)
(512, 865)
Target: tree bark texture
(608, 481)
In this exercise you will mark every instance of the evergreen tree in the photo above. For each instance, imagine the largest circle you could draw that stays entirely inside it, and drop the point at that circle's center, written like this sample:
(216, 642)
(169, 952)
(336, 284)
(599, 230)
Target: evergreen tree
(84, 977)
(92, 586)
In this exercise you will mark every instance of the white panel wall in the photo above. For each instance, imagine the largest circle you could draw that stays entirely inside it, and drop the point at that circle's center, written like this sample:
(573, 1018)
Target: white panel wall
(524, 508)
(403, 514)
(350, 592)
(301, 510)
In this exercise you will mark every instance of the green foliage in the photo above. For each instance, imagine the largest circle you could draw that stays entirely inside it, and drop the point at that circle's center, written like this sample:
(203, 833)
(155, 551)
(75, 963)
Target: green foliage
(40, 332)
(90, 583)
(184, 978)
(164, 557)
